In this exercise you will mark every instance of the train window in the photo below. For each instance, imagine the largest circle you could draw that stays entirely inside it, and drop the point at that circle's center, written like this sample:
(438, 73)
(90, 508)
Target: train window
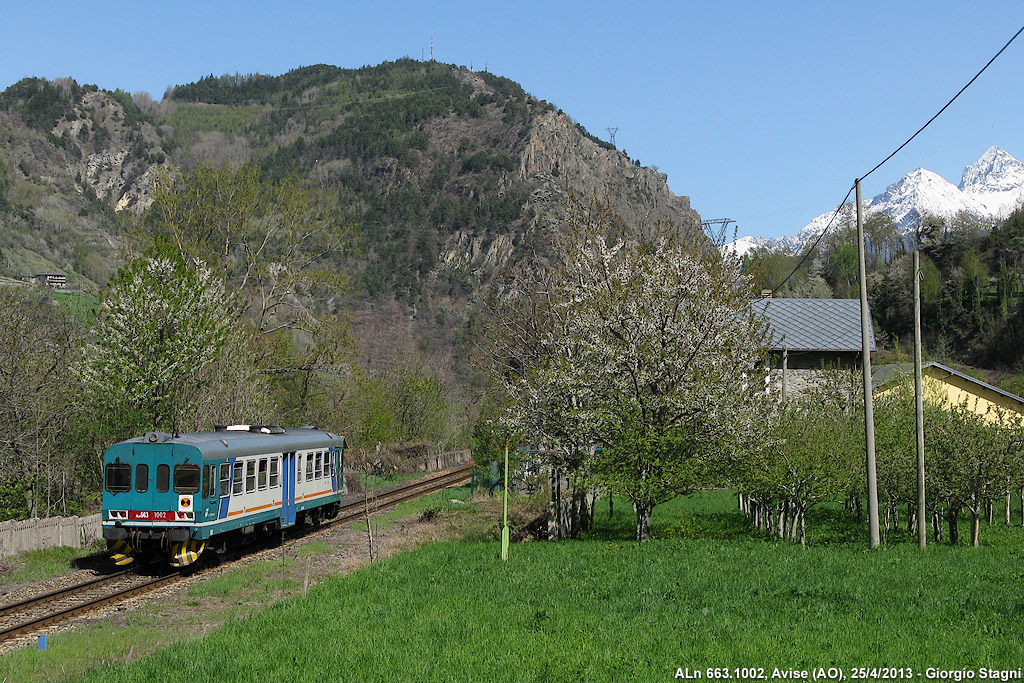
(186, 478)
(309, 466)
(163, 478)
(250, 476)
(319, 465)
(209, 480)
(118, 477)
(225, 479)
(298, 467)
(275, 479)
(141, 478)
(237, 474)
(261, 477)
(329, 464)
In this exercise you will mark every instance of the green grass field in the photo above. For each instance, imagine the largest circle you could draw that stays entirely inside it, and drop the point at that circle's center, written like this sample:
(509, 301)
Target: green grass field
(706, 592)
(40, 564)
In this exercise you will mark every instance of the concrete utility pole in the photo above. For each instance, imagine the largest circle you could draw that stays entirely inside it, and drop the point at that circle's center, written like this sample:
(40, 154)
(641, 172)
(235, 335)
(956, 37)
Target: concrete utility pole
(869, 404)
(922, 510)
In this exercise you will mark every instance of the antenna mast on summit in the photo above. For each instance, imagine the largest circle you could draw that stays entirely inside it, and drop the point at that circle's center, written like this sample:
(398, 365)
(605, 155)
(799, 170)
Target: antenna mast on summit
(611, 134)
(431, 48)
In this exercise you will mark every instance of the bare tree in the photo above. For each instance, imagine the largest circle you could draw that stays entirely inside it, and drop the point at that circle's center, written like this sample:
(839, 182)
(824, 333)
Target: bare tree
(38, 395)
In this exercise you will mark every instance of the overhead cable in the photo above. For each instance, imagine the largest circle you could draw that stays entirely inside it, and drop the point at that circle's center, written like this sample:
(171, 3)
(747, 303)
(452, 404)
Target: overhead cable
(894, 153)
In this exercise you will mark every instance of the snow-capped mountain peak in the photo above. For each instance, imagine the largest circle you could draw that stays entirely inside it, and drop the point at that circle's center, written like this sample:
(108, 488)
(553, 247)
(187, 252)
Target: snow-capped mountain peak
(995, 171)
(990, 189)
(922, 192)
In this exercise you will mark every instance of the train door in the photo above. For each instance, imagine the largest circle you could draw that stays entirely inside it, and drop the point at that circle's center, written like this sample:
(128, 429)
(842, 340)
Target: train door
(335, 468)
(225, 484)
(151, 482)
(288, 494)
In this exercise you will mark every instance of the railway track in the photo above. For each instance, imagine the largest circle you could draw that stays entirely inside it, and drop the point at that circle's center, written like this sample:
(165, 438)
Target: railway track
(29, 616)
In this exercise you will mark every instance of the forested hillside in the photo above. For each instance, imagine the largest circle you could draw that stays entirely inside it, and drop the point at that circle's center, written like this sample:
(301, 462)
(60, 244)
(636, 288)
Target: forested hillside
(295, 249)
(442, 173)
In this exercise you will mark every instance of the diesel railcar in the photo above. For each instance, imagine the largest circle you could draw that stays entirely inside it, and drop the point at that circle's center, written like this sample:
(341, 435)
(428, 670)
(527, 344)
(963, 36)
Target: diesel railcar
(180, 495)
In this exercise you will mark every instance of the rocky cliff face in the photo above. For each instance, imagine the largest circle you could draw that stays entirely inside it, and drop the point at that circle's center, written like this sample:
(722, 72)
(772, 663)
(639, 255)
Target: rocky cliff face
(565, 162)
(445, 174)
(116, 158)
(559, 163)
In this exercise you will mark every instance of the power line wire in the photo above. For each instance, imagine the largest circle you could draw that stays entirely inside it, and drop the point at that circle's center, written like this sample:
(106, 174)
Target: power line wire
(815, 245)
(894, 153)
(946, 106)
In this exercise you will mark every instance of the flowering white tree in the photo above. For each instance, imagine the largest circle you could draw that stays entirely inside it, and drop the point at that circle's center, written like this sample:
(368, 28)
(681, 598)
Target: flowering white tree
(647, 349)
(162, 326)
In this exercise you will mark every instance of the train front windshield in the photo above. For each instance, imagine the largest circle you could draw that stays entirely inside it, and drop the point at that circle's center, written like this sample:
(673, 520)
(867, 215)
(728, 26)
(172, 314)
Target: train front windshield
(118, 477)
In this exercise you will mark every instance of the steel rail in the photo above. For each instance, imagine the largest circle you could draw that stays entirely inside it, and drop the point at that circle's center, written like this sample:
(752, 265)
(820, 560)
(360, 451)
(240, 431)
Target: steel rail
(57, 594)
(357, 510)
(32, 625)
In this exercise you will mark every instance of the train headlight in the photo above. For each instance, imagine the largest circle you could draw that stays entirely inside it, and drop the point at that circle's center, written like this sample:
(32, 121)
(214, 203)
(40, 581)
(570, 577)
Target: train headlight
(117, 514)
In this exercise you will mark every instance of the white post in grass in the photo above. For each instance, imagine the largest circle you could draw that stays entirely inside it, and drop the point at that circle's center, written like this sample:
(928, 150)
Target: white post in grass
(504, 529)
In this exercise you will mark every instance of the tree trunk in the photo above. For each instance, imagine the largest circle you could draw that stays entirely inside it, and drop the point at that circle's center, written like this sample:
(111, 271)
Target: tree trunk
(556, 521)
(1008, 498)
(936, 527)
(643, 520)
(803, 525)
(952, 515)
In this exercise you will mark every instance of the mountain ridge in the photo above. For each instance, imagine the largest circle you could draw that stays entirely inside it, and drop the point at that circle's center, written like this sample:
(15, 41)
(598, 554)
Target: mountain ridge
(446, 174)
(989, 189)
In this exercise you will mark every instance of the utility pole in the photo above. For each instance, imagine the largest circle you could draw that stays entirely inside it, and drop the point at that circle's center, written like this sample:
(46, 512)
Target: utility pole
(869, 405)
(922, 510)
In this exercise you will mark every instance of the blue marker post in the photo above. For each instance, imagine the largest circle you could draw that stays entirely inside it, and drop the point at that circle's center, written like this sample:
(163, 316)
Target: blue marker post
(42, 643)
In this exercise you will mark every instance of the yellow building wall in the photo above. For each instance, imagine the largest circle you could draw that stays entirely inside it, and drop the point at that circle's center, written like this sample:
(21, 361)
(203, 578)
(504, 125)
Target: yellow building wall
(945, 389)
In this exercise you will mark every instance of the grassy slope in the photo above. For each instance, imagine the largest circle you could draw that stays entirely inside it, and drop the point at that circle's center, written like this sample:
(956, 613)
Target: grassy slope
(706, 593)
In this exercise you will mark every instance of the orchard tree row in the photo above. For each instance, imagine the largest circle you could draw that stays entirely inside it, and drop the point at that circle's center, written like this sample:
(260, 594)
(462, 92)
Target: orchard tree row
(636, 363)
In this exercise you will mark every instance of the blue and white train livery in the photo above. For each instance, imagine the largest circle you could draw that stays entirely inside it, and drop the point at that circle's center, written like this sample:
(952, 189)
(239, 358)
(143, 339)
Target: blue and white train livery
(177, 495)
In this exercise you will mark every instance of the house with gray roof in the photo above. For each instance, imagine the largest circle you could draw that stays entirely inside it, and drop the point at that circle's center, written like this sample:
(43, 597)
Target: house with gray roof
(809, 335)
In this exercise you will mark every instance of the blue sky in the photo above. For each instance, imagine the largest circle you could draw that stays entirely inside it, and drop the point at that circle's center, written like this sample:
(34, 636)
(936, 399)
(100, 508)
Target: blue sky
(763, 112)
